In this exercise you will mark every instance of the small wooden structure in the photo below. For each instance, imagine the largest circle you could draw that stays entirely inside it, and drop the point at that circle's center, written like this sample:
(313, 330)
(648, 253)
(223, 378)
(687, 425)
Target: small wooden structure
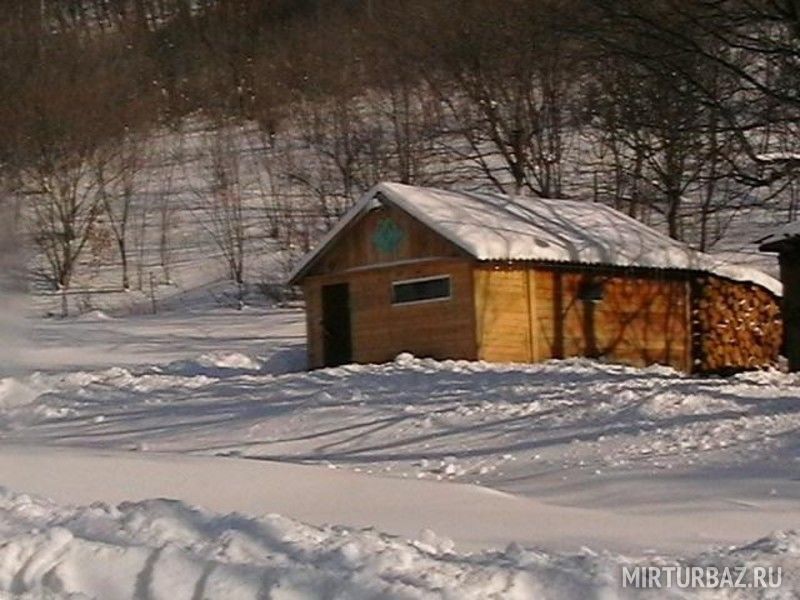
(786, 242)
(488, 277)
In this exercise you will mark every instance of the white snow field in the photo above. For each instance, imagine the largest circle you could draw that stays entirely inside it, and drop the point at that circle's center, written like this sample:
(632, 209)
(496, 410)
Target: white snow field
(166, 549)
(414, 479)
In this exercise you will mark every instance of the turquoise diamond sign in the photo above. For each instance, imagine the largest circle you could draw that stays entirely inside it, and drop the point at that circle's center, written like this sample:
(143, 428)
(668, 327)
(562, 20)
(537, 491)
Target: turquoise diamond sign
(387, 236)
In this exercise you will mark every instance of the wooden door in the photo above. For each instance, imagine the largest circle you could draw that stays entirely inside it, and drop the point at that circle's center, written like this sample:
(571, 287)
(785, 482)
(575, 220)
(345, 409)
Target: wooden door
(337, 341)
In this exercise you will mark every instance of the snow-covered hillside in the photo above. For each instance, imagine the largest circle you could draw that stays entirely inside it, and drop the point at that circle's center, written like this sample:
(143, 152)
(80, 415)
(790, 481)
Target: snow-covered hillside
(174, 251)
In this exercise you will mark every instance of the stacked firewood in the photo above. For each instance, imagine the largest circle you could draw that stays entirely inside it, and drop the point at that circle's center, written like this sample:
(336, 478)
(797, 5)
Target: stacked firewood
(735, 325)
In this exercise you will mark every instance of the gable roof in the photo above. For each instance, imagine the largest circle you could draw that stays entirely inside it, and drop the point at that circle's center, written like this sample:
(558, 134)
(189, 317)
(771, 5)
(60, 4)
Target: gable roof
(503, 228)
(786, 233)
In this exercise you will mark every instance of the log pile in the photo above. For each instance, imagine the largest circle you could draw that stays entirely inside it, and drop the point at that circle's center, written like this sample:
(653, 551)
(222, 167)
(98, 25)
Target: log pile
(735, 325)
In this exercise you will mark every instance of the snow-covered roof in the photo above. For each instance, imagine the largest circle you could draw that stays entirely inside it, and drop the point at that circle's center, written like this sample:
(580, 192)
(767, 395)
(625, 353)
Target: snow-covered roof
(496, 227)
(785, 232)
(771, 157)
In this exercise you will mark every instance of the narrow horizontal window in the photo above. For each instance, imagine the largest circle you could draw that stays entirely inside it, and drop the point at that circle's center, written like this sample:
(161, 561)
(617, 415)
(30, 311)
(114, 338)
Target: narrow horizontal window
(421, 290)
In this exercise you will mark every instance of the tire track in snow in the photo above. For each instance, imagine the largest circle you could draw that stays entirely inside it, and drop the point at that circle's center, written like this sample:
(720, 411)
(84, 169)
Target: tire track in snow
(145, 577)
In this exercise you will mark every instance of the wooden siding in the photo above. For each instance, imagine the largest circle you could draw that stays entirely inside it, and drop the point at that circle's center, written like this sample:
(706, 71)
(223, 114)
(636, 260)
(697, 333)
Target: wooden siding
(790, 274)
(380, 331)
(735, 325)
(314, 334)
(503, 323)
(527, 314)
(356, 247)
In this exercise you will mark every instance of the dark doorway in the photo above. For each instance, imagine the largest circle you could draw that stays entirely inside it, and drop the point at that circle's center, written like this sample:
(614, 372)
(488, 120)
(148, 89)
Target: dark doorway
(336, 324)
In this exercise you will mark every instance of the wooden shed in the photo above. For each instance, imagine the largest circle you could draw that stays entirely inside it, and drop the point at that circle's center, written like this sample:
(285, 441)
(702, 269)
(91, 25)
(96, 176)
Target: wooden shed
(786, 242)
(473, 276)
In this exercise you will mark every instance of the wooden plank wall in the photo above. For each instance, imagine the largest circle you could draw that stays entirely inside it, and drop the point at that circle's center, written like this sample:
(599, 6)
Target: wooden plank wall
(735, 325)
(314, 335)
(790, 274)
(503, 323)
(356, 248)
(531, 314)
(380, 331)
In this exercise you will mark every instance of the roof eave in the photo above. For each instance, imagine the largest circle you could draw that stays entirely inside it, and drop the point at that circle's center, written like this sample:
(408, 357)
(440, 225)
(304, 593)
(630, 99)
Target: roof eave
(384, 194)
(780, 245)
(364, 204)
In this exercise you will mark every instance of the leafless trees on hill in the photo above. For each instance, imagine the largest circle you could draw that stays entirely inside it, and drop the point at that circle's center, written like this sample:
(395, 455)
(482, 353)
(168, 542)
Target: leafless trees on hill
(675, 112)
(722, 81)
(223, 204)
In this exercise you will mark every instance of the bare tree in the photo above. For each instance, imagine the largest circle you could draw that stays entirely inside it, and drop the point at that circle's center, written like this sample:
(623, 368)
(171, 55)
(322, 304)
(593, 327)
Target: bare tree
(668, 149)
(166, 223)
(347, 151)
(405, 106)
(222, 204)
(171, 160)
(73, 103)
(65, 206)
(752, 45)
(116, 177)
(140, 227)
(508, 90)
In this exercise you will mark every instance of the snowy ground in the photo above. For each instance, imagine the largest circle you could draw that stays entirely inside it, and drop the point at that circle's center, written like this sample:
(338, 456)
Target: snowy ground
(212, 408)
(209, 407)
(166, 549)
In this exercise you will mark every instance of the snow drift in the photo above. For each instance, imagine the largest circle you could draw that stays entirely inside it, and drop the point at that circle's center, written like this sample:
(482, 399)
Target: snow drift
(166, 549)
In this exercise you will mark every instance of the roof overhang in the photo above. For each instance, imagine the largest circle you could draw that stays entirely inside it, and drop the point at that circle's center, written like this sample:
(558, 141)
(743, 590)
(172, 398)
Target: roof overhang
(367, 202)
(401, 197)
(379, 195)
(780, 245)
